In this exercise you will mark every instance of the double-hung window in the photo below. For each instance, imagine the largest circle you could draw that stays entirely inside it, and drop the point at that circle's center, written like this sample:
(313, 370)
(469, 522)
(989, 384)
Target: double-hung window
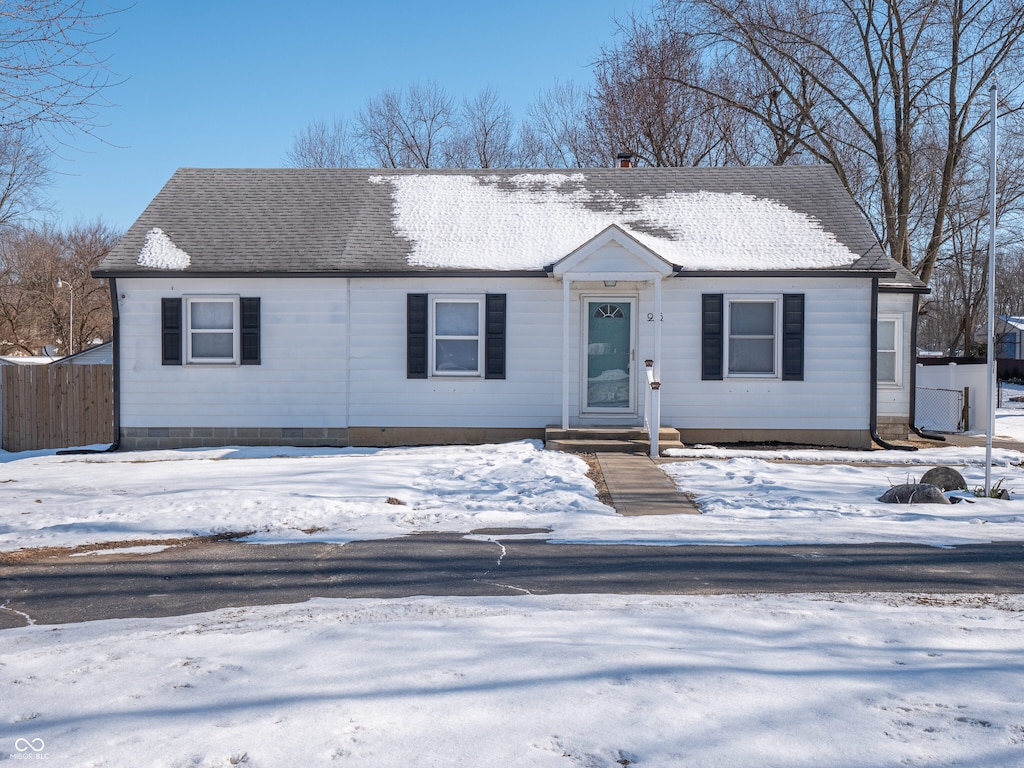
(752, 337)
(211, 329)
(454, 335)
(205, 330)
(888, 351)
(457, 338)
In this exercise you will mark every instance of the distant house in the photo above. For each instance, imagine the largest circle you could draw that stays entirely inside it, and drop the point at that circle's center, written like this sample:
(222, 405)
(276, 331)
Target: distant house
(1009, 337)
(385, 307)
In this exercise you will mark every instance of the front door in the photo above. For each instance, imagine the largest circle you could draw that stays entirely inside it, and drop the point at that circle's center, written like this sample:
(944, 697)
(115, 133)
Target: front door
(608, 327)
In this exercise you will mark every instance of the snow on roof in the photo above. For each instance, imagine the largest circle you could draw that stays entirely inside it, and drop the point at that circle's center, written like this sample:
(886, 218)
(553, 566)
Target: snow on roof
(159, 252)
(532, 220)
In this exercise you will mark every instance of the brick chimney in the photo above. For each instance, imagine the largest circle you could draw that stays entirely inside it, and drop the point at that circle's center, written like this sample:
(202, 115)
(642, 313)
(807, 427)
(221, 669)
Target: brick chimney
(625, 159)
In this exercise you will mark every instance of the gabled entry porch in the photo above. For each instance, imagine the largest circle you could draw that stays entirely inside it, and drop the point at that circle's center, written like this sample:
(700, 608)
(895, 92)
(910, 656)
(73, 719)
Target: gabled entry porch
(611, 337)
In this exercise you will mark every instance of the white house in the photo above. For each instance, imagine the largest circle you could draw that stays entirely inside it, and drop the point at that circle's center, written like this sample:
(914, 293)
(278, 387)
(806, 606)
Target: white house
(383, 307)
(1009, 337)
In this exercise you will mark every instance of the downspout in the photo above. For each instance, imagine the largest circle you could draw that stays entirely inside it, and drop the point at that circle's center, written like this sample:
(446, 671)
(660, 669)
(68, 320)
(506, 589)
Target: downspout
(115, 338)
(913, 378)
(115, 361)
(873, 427)
(566, 296)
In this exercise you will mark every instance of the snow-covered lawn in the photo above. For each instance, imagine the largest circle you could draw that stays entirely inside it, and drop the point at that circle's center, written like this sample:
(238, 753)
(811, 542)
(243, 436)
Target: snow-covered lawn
(582, 680)
(599, 681)
(340, 495)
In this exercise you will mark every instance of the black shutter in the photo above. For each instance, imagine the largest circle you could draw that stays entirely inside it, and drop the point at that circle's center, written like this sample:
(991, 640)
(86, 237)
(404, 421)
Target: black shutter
(416, 339)
(494, 341)
(170, 331)
(711, 330)
(793, 337)
(250, 328)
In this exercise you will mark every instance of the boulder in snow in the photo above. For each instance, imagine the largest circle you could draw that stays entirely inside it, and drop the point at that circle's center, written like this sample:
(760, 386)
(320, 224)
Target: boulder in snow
(914, 493)
(947, 478)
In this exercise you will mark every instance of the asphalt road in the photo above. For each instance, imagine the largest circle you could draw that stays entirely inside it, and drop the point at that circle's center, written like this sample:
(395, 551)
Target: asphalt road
(204, 576)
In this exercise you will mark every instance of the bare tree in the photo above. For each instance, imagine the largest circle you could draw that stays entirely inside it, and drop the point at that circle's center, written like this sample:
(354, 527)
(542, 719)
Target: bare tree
(1010, 283)
(639, 103)
(955, 314)
(484, 134)
(83, 247)
(28, 295)
(886, 91)
(407, 130)
(418, 128)
(562, 132)
(52, 77)
(23, 175)
(378, 129)
(34, 311)
(322, 145)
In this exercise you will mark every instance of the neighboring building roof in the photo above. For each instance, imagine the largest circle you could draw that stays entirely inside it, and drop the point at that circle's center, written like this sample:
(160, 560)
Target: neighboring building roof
(96, 354)
(353, 221)
(27, 359)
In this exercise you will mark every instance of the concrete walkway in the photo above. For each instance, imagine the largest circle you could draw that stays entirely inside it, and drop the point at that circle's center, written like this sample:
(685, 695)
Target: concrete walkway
(638, 487)
(970, 441)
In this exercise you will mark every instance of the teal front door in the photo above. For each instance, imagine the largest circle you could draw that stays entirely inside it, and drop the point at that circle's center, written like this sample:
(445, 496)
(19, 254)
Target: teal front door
(608, 358)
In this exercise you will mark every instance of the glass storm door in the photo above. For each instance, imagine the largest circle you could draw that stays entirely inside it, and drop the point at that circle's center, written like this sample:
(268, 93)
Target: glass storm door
(609, 354)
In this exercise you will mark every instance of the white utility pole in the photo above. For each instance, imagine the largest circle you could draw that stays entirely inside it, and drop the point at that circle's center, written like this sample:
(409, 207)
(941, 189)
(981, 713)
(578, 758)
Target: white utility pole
(71, 315)
(993, 94)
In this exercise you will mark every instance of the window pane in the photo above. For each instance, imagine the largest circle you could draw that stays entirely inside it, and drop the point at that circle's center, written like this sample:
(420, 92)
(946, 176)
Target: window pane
(752, 318)
(752, 356)
(212, 314)
(456, 355)
(887, 335)
(456, 318)
(213, 345)
(887, 367)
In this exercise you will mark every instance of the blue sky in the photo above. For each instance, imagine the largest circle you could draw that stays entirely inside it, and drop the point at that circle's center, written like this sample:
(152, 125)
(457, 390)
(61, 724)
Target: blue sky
(229, 83)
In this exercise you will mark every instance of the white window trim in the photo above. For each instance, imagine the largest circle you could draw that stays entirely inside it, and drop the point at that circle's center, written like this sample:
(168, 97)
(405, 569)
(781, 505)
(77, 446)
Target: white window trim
(897, 320)
(235, 330)
(480, 337)
(774, 299)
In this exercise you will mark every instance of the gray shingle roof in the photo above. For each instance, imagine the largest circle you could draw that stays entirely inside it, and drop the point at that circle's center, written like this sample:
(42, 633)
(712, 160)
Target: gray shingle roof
(287, 220)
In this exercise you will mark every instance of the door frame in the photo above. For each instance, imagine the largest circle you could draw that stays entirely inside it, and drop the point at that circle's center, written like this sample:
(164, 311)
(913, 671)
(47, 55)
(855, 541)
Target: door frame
(592, 413)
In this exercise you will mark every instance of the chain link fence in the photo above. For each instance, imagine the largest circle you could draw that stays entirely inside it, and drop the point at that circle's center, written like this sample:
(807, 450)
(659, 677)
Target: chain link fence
(1006, 394)
(942, 410)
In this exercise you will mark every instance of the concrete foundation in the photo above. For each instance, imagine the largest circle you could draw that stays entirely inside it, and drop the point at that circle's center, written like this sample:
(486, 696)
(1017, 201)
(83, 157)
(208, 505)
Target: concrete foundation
(155, 438)
(839, 438)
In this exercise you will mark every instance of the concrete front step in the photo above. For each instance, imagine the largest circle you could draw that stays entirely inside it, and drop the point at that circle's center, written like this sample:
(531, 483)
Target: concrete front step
(598, 446)
(608, 439)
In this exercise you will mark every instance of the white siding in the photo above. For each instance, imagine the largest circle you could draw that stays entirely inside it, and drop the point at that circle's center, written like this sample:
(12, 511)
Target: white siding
(529, 396)
(834, 391)
(334, 355)
(301, 379)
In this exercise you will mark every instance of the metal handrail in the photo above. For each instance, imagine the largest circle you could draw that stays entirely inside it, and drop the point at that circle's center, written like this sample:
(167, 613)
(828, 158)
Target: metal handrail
(652, 409)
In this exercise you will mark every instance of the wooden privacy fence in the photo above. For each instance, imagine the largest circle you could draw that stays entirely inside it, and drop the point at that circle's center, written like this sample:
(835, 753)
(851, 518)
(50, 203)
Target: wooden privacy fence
(56, 406)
